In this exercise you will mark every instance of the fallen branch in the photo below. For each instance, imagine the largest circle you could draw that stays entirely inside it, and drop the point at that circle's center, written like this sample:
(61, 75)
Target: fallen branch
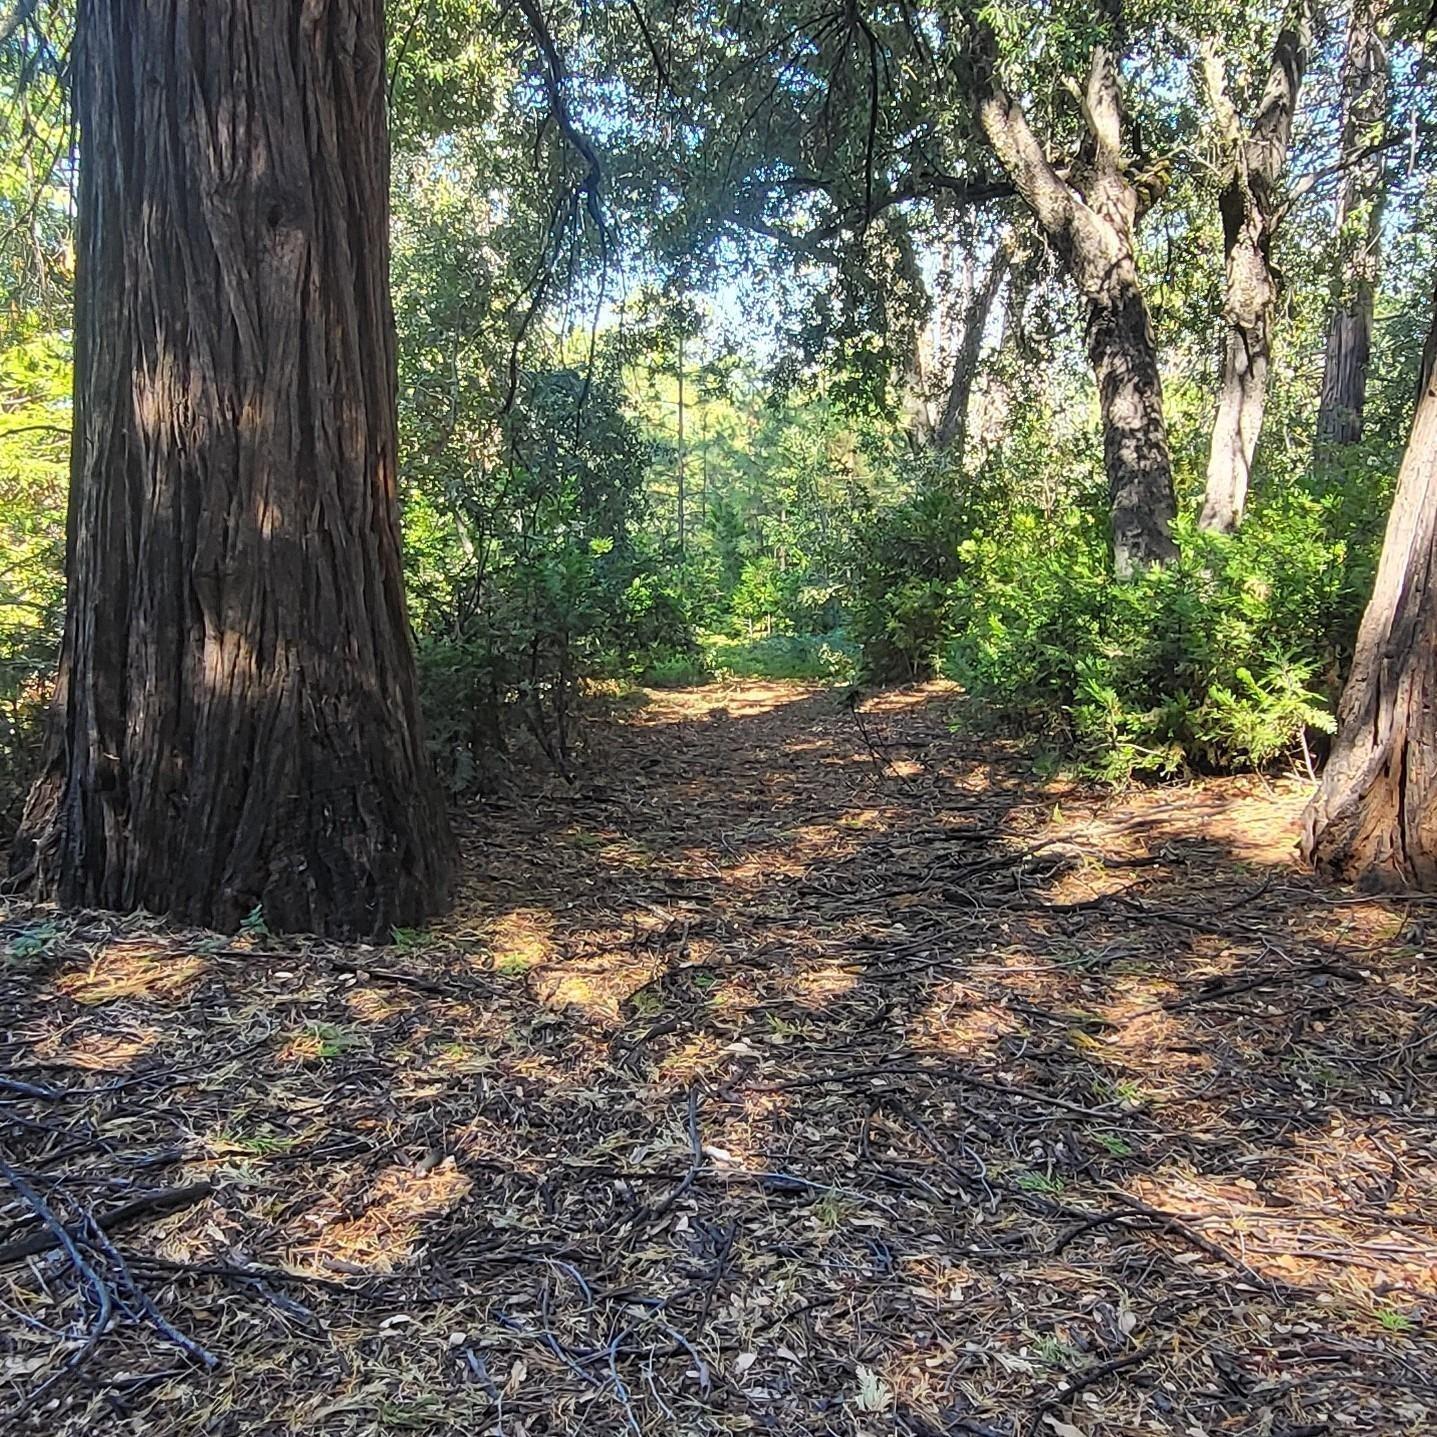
(55, 1234)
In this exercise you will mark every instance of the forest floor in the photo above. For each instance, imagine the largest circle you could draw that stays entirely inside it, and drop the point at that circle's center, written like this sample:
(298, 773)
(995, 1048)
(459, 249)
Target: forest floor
(793, 1071)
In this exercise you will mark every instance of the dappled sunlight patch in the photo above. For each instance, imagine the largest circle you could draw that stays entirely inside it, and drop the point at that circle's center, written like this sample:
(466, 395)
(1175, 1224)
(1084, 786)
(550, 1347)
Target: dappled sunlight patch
(385, 1233)
(1316, 1238)
(1253, 820)
(459, 1057)
(865, 819)
(520, 939)
(910, 697)
(135, 971)
(957, 1021)
(626, 853)
(819, 985)
(736, 700)
(598, 987)
(320, 1042)
(1085, 881)
(1348, 1162)
(112, 1051)
(376, 1005)
(700, 1056)
(1140, 1037)
(737, 1136)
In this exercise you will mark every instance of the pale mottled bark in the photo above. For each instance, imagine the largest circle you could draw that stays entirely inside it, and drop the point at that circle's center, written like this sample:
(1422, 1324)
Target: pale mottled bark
(947, 366)
(1249, 205)
(236, 720)
(1089, 218)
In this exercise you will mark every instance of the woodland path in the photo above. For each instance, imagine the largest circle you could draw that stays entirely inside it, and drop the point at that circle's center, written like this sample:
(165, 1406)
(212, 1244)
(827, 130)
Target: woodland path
(793, 1071)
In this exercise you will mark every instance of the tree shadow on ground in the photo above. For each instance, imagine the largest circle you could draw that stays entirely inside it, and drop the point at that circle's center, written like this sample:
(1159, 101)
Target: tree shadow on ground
(793, 1072)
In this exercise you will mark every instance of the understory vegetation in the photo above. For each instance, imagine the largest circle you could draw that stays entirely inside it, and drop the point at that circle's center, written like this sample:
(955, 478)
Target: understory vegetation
(685, 467)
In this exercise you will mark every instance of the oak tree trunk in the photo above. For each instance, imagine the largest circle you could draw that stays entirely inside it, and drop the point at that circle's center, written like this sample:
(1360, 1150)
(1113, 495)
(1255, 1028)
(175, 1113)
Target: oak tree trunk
(1123, 354)
(1249, 203)
(1373, 819)
(236, 722)
(1089, 216)
(1359, 231)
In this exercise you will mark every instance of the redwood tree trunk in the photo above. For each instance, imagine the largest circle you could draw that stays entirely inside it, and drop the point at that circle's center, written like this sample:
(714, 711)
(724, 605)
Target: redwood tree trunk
(1373, 819)
(236, 722)
(1249, 204)
(1359, 231)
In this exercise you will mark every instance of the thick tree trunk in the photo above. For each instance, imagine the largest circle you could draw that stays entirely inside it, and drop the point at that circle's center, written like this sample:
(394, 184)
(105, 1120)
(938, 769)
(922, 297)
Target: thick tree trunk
(1249, 204)
(236, 722)
(1373, 819)
(1089, 217)
(1359, 231)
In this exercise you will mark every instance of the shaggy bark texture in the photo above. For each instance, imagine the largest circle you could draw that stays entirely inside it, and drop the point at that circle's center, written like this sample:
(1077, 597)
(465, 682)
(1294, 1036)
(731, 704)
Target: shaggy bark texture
(1373, 819)
(236, 722)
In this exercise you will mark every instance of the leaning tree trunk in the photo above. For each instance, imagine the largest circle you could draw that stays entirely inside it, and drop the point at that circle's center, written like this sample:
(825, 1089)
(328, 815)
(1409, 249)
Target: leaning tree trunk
(1249, 206)
(1090, 216)
(1373, 819)
(951, 431)
(945, 366)
(236, 723)
(1359, 231)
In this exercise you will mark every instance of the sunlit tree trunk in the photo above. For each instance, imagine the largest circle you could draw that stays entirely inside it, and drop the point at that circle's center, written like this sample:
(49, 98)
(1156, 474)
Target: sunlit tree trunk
(1089, 217)
(1359, 230)
(950, 433)
(1373, 819)
(1249, 205)
(236, 723)
(945, 368)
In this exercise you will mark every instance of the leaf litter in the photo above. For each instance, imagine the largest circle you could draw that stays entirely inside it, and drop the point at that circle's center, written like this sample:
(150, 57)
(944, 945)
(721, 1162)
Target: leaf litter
(799, 1069)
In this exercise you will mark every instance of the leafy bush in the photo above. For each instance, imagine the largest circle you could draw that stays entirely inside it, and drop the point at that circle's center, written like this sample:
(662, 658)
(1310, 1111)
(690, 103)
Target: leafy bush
(1224, 660)
(824, 657)
(34, 448)
(902, 607)
(676, 671)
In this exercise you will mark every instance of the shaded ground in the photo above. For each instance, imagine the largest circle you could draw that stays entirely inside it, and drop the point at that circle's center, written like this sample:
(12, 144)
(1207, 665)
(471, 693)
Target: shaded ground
(794, 1072)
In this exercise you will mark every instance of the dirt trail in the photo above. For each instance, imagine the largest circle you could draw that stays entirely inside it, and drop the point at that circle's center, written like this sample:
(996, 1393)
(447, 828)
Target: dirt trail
(794, 1071)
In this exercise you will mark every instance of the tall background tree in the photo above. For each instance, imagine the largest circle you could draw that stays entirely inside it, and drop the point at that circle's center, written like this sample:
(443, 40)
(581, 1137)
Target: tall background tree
(236, 724)
(1357, 223)
(1249, 201)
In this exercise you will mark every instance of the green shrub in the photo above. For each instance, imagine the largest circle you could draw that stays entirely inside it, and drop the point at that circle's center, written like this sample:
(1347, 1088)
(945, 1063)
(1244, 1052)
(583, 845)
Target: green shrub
(1224, 660)
(676, 671)
(828, 658)
(902, 607)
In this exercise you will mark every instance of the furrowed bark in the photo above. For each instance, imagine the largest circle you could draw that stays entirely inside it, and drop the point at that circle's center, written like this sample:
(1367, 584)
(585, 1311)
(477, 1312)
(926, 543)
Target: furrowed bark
(1359, 231)
(1090, 219)
(236, 722)
(1373, 819)
(1249, 205)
